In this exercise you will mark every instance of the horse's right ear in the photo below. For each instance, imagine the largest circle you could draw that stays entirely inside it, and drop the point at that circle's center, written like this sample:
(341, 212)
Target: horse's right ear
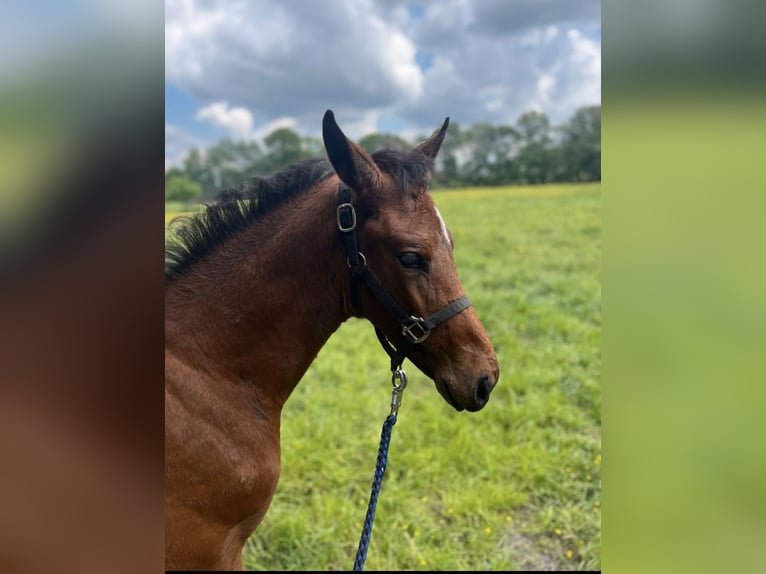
(351, 162)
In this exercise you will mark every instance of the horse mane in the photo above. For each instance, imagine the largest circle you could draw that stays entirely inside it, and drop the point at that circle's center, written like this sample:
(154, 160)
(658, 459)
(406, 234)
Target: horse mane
(192, 237)
(408, 169)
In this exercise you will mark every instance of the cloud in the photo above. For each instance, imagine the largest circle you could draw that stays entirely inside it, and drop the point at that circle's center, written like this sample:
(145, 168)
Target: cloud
(495, 78)
(282, 58)
(501, 17)
(260, 63)
(237, 121)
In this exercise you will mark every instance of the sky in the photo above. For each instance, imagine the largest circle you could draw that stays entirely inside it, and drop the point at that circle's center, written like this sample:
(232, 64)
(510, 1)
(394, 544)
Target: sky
(242, 68)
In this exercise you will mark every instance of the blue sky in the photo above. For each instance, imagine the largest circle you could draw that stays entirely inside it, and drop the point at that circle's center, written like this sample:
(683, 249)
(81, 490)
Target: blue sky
(242, 69)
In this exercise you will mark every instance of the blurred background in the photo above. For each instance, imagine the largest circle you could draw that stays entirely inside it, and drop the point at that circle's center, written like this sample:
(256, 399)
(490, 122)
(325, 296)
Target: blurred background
(81, 168)
(683, 303)
(101, 101)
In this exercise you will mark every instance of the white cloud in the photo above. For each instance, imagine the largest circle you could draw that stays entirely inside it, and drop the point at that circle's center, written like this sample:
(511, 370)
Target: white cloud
(287, 58)
(360, 124)
(262, 64)
(580, 73)
(485, 76)
(237, 121)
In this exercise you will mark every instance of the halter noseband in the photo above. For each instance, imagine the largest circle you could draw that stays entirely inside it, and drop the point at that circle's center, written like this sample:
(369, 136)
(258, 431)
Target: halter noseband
(414, 329)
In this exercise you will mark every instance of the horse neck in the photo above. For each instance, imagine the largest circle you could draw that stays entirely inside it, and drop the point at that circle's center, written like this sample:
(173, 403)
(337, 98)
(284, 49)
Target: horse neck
(260, 309)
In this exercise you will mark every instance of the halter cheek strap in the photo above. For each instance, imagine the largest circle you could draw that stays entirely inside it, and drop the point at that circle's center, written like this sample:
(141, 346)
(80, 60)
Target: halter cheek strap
(414, 329)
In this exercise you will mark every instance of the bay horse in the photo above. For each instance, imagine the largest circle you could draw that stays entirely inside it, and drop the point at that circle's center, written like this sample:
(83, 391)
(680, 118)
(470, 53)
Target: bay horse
(257, 282)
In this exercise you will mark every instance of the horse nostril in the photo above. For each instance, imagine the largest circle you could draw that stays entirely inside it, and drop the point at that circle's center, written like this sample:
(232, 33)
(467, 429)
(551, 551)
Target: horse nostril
(483, 389)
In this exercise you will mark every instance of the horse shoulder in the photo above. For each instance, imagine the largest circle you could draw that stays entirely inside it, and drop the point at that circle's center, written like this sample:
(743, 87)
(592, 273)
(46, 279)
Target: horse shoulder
(222, 456)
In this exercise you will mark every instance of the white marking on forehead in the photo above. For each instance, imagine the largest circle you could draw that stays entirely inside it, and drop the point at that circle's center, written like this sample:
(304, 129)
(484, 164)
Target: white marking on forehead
(443, 226)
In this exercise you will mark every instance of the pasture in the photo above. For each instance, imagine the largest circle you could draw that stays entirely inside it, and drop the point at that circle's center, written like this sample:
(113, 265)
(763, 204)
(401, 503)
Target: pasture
(516, 486)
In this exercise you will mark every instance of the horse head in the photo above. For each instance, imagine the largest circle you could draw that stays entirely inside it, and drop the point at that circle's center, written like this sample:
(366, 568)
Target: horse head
(406, 247)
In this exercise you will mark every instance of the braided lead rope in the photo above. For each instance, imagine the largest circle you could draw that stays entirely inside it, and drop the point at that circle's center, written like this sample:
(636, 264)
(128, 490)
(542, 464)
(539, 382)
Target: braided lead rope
(380, 467)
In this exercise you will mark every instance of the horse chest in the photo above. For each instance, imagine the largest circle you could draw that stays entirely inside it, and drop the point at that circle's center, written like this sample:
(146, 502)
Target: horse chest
(253, 485)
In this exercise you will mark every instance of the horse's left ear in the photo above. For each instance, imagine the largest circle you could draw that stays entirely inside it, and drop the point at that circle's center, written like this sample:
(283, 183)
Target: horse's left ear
(351, 162)
(431, 146)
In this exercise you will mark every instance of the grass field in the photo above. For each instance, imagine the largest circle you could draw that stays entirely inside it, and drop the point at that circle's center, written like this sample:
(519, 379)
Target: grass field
(516, 486)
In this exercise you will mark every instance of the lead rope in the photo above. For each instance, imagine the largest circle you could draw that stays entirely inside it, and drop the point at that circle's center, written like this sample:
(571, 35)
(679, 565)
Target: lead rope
(399, 382)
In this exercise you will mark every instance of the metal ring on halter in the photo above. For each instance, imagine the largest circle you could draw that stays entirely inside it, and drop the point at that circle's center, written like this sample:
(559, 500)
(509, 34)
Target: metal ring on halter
(363, 258)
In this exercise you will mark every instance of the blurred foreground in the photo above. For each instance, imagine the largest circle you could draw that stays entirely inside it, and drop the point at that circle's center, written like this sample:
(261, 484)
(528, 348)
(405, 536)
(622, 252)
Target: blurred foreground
(81, 176)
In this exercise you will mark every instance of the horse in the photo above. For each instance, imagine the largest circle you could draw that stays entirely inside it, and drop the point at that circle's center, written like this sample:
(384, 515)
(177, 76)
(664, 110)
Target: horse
(256, 283)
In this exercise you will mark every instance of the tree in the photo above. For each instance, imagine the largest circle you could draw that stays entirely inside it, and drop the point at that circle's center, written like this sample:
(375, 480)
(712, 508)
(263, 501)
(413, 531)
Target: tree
(529, 152)
(182, 188)
(312, 147)
(580, 148)
(283, 147)
(173, 172)
(196, 167)
(230, 160)
(449, 162)
(489, 151)
(373, 142)
(534, 160)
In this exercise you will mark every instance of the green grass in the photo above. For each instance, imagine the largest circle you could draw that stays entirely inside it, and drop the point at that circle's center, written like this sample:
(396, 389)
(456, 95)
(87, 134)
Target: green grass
(516, 486)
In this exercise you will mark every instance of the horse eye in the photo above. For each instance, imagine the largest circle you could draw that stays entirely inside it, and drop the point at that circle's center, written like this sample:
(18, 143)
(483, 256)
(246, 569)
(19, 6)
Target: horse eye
(411, 260)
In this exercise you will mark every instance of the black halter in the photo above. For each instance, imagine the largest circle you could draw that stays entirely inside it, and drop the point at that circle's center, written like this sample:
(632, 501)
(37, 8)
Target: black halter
(414, 329)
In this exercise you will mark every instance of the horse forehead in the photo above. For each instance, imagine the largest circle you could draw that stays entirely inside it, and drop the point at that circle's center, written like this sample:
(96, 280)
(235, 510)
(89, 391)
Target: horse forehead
(427, 205)
(424, 210)
(443, 226)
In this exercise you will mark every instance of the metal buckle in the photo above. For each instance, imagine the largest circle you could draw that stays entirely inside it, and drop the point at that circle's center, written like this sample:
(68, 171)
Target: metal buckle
(338, 216)
(408, 330)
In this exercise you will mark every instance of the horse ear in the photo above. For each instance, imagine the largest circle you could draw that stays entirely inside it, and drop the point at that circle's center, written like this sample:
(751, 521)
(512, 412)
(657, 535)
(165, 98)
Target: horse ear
(431, 146)
(351, 162)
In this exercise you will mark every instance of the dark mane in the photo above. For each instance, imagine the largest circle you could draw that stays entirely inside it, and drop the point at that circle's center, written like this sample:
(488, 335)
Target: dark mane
(407, 168)
(194, 236)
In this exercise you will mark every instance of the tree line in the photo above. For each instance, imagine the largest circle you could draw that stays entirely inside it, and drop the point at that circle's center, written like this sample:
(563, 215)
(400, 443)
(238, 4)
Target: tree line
(532, 151)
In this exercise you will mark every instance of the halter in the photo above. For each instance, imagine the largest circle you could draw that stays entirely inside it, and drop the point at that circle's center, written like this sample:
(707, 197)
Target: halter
(414, 329)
